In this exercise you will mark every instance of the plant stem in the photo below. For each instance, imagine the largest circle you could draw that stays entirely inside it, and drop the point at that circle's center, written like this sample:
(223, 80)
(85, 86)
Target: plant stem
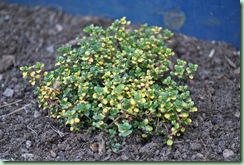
(114, 121)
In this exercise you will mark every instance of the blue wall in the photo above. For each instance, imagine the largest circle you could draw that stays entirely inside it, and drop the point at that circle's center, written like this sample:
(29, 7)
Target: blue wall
(205, 19)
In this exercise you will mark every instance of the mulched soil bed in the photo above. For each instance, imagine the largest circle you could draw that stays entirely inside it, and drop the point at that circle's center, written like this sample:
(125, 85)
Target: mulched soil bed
(33, 34)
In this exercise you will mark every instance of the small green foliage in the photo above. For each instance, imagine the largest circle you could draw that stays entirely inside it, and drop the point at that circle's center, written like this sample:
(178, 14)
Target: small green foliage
(169, 142)
(118, 80)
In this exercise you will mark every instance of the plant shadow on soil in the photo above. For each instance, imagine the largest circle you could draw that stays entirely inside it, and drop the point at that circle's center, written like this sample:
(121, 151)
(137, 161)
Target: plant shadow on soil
(33, 34)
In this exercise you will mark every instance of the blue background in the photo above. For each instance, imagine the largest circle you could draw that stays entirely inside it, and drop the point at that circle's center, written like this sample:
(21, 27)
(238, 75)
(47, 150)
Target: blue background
(205, 19)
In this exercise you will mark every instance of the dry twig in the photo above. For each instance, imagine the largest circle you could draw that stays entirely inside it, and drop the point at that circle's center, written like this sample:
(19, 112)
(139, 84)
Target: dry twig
(32, 129)
(61, 134)
(101, 144)
(10, 104)
(203, 144)
(231, 63)
(17, 110)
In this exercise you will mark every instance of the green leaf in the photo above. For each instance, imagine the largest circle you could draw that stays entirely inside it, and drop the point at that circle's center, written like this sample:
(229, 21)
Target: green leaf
(119, 88)
(167, 116)
(112, 132)
(97, 124)
(115, 149)
(24, 69)
(195, 67)
(80, 107)
(193, 109)
(87, 112)
(137, 96)
(125, 134)
(116, 145)
(192, 67)
(144, 135)
(184, 114)
(98, 116)
(124, 127)
(169, 142)
(167, 33)
(182, 129)
(177, 103)
(145, 122)
(138, 70)
(149, 128)
(191, 76)
(119, 106)
(114, 111)
(133, 102)
(177, 125)
(181, 88)
(98, 90)
(88, 29)
(167, 80)
(65, 105)
(181, 62)
(88, 106)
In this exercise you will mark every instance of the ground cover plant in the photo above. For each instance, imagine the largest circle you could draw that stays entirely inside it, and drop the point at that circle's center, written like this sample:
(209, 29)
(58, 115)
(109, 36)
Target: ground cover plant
(32, 34)
(117, 80)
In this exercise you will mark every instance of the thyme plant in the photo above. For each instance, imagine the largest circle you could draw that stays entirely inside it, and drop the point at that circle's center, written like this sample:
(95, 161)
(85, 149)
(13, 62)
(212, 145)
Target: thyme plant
(118, 80)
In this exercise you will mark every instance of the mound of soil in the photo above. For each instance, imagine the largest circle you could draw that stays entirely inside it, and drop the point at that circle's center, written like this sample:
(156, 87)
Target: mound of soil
(33, 34)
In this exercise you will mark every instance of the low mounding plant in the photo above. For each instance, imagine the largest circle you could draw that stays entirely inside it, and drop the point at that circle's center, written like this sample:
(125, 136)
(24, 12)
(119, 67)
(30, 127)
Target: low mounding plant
(118, 80)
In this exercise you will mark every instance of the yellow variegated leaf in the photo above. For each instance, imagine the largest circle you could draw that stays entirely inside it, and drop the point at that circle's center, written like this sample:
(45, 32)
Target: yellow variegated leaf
(25, 74)
(72, 121)
(167, 116)
(77, 120)
(133, 102)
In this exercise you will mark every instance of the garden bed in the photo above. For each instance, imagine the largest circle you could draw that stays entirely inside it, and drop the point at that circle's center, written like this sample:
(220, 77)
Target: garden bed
(33, 34)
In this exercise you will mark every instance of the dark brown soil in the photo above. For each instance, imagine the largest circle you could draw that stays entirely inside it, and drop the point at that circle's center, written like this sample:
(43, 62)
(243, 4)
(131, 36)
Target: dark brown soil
(28, 35)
